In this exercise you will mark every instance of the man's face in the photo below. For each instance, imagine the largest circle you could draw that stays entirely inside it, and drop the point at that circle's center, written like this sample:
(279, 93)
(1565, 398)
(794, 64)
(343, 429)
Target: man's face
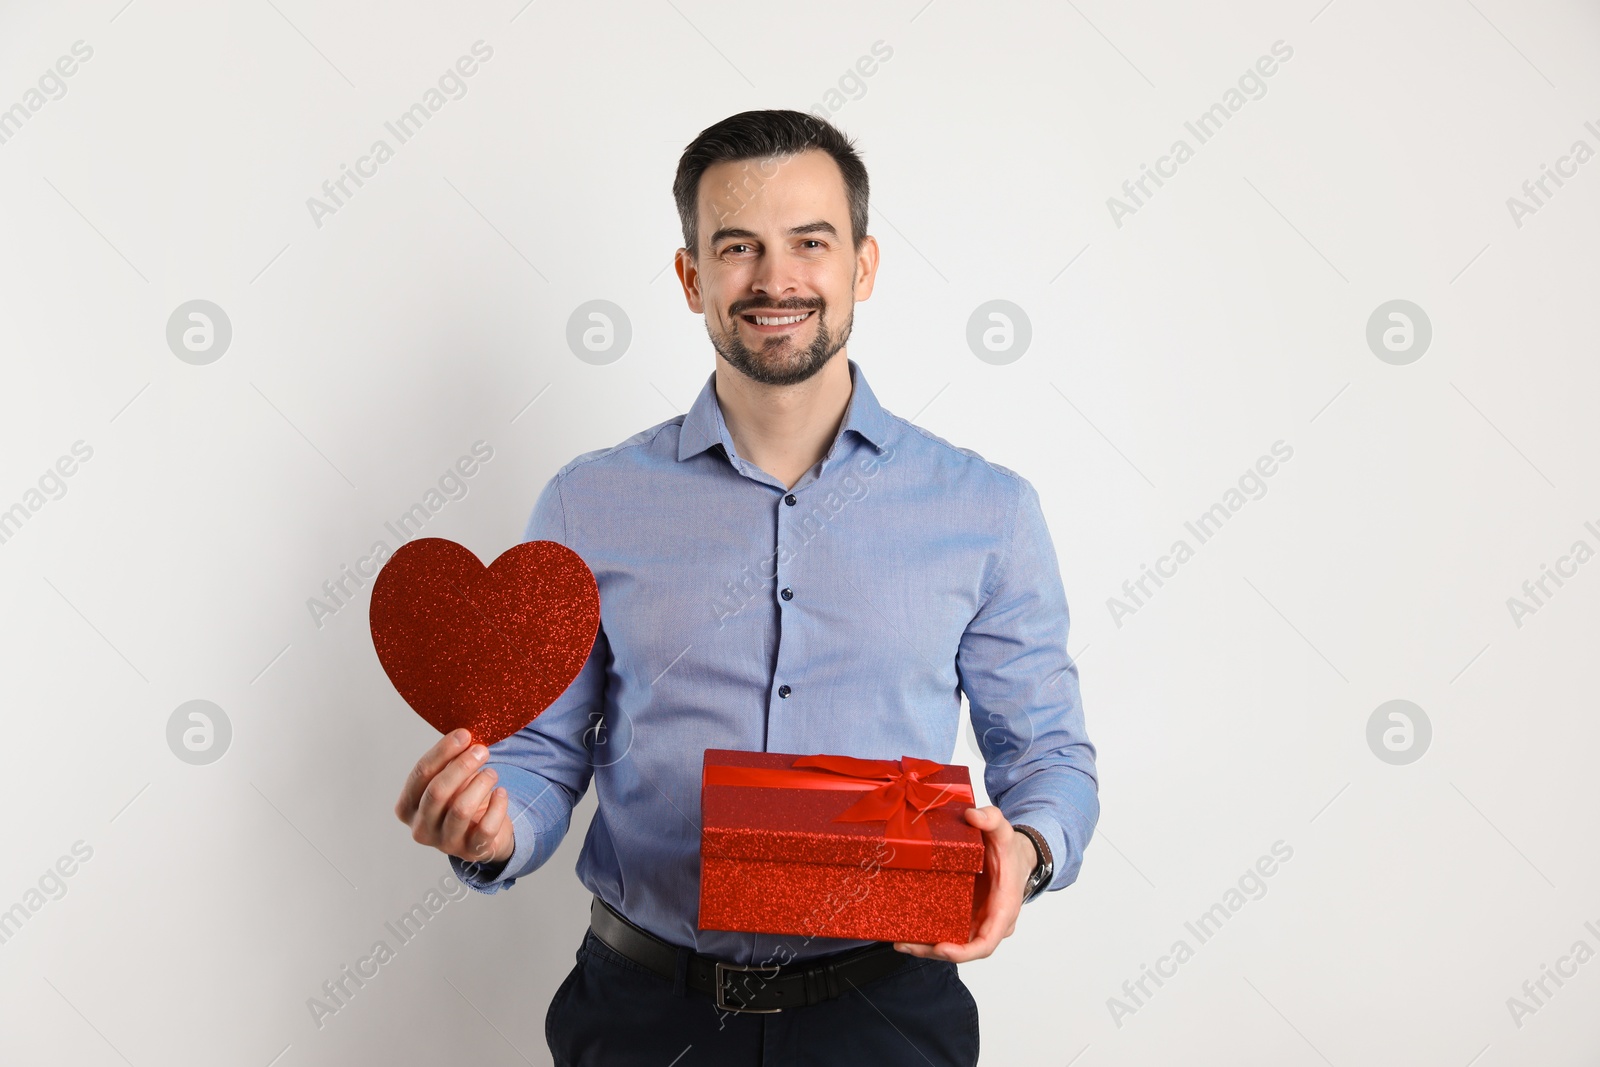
(778, 275)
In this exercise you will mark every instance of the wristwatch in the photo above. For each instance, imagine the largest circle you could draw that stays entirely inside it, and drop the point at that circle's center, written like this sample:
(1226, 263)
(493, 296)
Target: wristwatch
(1046, 867)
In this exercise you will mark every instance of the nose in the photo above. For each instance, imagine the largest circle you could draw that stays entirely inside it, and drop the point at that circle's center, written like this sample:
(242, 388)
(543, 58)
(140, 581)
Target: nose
(775, 276)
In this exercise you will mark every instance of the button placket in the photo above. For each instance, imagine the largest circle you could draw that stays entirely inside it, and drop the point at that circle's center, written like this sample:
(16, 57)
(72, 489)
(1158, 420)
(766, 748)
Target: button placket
(787, 635)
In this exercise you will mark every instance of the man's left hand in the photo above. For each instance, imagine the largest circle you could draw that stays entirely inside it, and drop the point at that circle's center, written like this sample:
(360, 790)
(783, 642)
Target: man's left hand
(1008, 859)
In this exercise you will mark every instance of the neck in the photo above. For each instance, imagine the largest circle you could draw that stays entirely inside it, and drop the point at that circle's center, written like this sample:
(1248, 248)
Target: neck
(784, 429)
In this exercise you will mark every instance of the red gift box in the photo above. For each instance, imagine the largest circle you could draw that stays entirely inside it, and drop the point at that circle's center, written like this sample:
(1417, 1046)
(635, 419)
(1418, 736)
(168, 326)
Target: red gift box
(834, 846)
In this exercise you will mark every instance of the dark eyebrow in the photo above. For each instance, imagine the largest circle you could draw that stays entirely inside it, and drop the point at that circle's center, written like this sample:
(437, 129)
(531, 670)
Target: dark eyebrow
(819, 226)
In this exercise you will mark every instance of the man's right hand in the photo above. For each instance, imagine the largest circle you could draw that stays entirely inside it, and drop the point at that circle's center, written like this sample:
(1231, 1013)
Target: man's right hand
(450, 802)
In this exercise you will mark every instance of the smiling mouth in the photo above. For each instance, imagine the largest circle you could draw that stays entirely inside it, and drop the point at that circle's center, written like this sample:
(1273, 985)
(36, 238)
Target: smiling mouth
(773, 321)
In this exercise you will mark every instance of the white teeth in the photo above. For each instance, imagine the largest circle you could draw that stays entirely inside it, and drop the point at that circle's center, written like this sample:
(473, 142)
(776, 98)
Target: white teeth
(768, 321)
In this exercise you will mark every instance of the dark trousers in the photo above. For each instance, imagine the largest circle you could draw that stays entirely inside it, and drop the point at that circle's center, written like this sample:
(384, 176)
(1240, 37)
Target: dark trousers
(614, 1012)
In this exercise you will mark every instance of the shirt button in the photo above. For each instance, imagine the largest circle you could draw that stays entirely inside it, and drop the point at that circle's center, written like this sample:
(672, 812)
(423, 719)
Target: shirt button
(789, 500)
(784, 691)
(787, 593)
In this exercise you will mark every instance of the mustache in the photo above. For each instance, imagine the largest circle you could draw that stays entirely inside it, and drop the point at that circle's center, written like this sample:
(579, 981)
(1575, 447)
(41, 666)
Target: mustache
(745, 307)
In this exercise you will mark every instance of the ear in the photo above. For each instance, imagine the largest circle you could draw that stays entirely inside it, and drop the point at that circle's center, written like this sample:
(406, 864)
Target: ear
(866, 267)
(689, 278)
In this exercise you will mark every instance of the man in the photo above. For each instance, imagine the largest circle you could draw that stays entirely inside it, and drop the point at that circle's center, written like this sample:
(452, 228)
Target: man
(786, 568)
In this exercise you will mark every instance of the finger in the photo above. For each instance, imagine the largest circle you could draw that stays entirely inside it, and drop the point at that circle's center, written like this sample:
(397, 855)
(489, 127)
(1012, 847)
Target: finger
(464, 809)
(443, 750)
(972, 950)
(912, 948)
(988, 816)
(482, 838)
(950, 950)
(989, 929)
(990, 823)
(1000, 905)
(436, 797)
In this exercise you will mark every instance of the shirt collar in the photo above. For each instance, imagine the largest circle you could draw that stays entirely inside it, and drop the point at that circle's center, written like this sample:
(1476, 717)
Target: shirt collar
(704, 427)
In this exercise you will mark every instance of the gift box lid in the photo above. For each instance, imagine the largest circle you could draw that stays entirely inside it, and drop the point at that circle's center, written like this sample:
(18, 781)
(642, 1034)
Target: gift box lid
(794, 819)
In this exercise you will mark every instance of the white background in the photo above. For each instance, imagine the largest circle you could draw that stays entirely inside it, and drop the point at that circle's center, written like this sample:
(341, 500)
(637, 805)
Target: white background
(1168, 353)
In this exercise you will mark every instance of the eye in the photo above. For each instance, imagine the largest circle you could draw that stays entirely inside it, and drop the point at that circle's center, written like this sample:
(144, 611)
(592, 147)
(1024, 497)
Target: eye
(731, 248)
(813, 241)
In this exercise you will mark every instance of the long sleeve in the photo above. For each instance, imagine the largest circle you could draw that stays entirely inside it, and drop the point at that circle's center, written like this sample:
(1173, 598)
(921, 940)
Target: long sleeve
(691, 546)
(1022, 688)
(546, 766)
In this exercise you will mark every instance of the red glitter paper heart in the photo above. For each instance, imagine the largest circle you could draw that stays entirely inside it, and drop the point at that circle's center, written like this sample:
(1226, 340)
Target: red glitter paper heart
(488, 648)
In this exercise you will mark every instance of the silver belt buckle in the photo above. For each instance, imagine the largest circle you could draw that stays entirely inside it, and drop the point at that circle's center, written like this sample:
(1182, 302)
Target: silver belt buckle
(721, 992)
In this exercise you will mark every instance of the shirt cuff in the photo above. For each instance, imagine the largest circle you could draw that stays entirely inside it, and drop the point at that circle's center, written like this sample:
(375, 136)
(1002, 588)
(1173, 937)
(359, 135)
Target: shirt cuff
(540, 811)
(1054, 839)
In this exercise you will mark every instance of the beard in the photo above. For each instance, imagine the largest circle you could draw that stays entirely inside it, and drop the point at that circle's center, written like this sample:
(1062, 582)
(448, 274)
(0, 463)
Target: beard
(779, 361)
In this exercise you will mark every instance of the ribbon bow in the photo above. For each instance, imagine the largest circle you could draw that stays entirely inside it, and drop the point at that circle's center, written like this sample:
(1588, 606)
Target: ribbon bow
(895, 792)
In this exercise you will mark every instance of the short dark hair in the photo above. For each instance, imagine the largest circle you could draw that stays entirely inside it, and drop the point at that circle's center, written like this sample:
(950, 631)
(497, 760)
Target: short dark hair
(758, 135)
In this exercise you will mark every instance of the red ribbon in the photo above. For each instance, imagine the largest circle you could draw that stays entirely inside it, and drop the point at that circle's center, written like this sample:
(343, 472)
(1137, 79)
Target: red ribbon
(895, 792)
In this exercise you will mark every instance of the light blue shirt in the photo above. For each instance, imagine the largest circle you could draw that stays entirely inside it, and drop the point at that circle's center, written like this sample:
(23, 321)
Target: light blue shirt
(846, 615)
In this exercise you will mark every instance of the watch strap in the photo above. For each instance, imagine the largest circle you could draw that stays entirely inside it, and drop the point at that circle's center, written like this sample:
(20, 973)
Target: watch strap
(1044, 868)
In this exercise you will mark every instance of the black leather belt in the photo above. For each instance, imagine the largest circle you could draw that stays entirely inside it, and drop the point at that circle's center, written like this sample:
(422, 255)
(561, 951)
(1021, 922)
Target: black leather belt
(737, 987)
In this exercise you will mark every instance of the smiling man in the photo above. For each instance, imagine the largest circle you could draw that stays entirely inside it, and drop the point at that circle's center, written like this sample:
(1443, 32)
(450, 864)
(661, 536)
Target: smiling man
(787, 568)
